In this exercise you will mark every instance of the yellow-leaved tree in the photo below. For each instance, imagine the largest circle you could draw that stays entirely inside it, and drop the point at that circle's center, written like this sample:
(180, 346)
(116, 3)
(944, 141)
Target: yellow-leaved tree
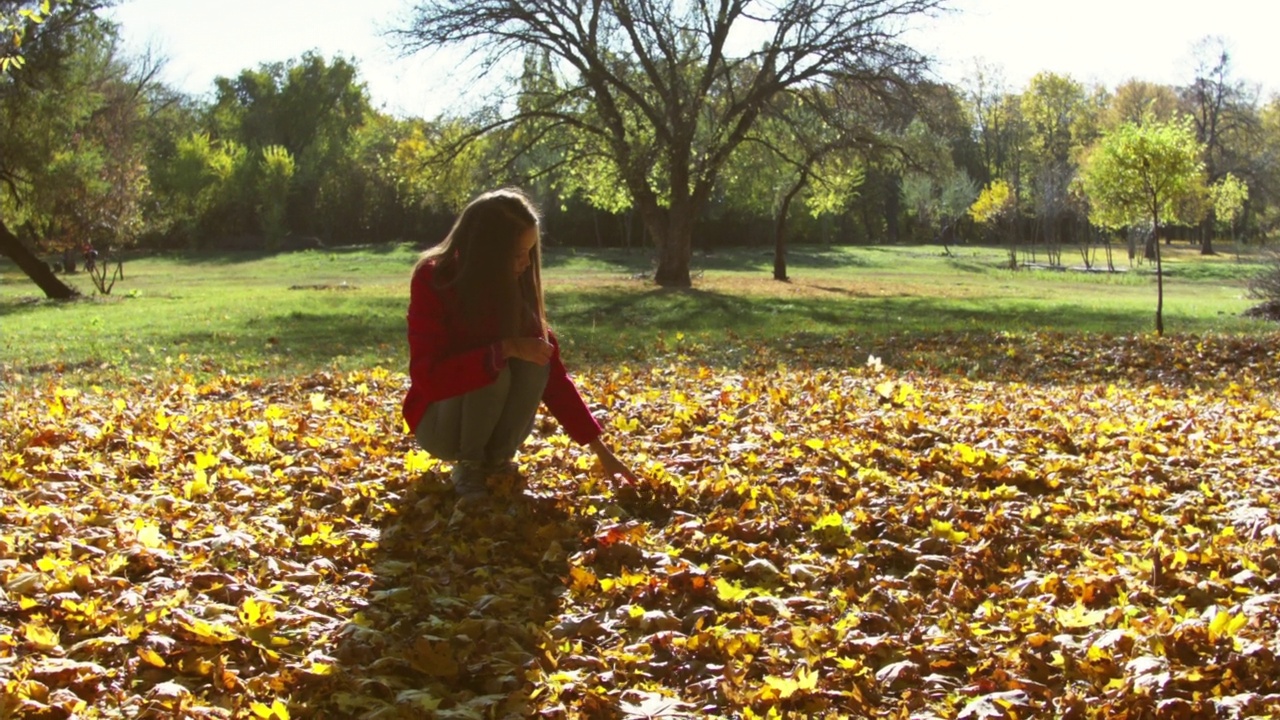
(1144, 173)
(995, 208)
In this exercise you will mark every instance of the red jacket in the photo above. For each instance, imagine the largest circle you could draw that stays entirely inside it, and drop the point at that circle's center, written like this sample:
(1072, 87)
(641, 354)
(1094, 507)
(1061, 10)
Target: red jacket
(448, 358)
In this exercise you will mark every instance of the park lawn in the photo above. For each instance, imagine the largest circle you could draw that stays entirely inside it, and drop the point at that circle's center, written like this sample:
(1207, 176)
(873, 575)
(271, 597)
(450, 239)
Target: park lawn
(292, 313)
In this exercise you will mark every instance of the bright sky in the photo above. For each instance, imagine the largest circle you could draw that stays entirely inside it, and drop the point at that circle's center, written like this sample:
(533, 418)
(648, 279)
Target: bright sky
(1103, 41)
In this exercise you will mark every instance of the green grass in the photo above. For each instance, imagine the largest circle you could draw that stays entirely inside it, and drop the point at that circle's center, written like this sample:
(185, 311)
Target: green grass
(298, 312)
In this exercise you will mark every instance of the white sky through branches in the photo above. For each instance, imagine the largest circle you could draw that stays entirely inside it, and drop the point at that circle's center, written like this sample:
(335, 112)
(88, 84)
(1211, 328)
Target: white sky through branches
(1102, 41)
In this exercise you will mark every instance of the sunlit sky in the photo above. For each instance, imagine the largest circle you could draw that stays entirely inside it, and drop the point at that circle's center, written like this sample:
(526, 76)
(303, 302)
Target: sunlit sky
(1094, 41)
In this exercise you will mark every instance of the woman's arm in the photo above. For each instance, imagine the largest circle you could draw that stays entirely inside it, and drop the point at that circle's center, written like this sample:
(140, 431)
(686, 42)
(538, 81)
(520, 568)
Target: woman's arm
(612, 466)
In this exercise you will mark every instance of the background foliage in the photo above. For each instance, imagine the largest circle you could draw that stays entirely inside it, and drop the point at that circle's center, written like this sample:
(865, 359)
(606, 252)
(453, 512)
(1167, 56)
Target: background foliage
(97, 150)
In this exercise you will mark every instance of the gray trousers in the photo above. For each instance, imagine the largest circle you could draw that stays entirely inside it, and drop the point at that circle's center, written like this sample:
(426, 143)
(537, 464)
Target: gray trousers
(486, 425)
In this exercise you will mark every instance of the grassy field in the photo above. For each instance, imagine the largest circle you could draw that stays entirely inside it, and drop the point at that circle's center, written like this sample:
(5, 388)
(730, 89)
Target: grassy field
(286, 314)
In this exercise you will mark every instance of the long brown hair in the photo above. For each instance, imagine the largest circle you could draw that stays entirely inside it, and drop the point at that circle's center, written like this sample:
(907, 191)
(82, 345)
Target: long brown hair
(474, 259)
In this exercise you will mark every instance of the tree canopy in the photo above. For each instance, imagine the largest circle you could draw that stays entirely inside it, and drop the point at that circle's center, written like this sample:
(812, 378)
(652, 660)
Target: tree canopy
(1145, 173)
(661, 94)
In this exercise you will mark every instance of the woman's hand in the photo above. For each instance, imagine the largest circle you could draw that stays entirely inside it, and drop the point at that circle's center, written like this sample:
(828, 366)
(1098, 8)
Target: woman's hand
(613, 467)
(529, 349)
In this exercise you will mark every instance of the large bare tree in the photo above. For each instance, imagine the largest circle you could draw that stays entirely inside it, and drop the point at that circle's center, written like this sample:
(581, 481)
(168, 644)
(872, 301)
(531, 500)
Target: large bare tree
(659, 93)
(1223, 109)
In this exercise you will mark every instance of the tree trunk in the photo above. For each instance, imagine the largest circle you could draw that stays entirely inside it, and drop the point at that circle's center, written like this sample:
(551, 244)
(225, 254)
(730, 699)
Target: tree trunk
(672, 231)
(34, 267)
(1206, 235)
(780, 231)
(673, 261)
(1155, 241)
(891, 216)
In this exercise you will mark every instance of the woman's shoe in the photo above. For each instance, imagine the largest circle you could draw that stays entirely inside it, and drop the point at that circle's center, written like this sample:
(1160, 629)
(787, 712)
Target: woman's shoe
(505, 478)
(469, 480)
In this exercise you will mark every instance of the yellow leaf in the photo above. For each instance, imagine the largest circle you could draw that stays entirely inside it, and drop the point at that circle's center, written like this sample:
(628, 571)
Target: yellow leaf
(730, 592)
(947, 531)
(148, 534)
(418, 461)
(835, 520)
(209, 633)
(966, 453)
(1237, 622)
(41, 637)
(1226, 625)
(198, 486)
(205, 460)
(807, 678)
(1077, 616)
(581, 579)
(783, 687)
(277, 711)
(255, 614)
(848, 663)
(815, 444)
(151, 657)
(318, 402)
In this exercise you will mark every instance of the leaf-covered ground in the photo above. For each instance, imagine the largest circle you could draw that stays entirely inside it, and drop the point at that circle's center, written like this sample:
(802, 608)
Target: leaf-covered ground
(1055, 526)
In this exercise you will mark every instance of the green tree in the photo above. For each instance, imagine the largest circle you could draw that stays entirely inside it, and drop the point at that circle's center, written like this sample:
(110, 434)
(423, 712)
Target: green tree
(939, 204)
(1262, 211)
(660, 91)
(1062, 119)
(312, 108)
(810, 147)
(1145, 173)
(276, 169)
(44, 103)
(172, 118)
(1227, 197)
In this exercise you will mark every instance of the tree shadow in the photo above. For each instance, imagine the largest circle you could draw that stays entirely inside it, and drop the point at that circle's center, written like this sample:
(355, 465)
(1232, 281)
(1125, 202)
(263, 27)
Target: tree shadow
(225, 257)
(1029, 343)
(640, 260)
(455, 606)
(314, 338)
(841, 310)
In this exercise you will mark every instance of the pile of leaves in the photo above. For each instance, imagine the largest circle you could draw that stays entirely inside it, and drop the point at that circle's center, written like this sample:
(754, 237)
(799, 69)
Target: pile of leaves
(817, 533)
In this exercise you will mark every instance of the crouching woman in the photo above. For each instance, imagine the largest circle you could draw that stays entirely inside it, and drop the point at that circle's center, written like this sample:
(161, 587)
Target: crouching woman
(481, 355)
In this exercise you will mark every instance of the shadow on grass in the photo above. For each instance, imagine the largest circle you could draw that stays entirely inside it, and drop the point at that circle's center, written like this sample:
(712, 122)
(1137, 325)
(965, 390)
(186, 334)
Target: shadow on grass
(239, 257)
(1012, 342)
(702, 310)
(632, 261)
(359, 326)
(35, 302)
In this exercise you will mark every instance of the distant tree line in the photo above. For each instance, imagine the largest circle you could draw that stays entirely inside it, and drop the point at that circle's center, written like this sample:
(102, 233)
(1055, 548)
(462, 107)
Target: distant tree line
(630, 130)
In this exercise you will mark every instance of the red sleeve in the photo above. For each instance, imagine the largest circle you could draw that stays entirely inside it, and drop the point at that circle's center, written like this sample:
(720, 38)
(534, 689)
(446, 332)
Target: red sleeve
(565, 403)
(437, 369)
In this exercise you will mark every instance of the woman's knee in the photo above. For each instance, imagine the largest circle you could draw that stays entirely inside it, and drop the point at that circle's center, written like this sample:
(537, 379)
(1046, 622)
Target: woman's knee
(438, 431)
